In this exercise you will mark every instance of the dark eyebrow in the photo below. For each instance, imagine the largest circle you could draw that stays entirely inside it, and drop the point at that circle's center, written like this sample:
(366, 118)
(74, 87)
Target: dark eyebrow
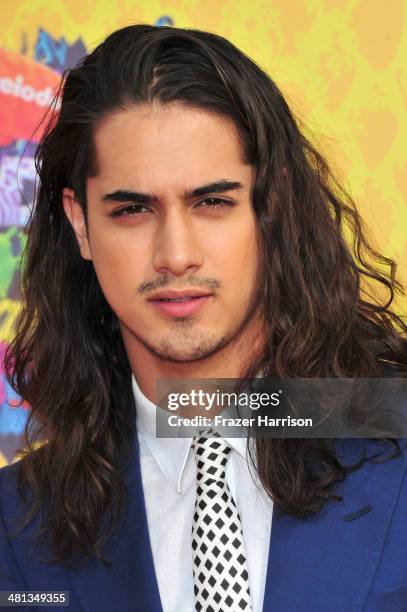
(124, 195)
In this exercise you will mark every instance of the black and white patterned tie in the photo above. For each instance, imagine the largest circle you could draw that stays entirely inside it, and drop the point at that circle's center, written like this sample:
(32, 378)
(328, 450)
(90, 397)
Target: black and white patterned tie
(219, 562)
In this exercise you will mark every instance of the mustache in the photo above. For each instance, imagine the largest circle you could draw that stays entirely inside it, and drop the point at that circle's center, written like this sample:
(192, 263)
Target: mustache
(189, 281)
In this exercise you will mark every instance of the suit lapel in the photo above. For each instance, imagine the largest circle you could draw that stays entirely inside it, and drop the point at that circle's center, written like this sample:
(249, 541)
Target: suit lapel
(327, 562)
(131, 582)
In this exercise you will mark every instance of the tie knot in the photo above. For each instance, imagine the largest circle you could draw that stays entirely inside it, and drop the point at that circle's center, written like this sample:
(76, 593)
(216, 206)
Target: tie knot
(211, 454)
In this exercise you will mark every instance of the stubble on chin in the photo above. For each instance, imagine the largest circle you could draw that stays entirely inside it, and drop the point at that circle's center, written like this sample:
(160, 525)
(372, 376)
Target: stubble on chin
(187, 348)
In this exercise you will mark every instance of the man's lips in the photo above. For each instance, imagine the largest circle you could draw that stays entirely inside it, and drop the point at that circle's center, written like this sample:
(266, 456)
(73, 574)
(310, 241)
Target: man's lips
(179, 303)
(172, 294)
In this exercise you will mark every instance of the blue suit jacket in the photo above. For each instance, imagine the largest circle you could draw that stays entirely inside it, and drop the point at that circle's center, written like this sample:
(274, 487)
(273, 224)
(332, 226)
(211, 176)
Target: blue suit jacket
(349, 557)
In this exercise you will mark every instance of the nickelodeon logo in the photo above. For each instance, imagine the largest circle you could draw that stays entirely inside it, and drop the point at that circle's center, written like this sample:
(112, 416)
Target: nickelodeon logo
(27, 91)
(18, 89)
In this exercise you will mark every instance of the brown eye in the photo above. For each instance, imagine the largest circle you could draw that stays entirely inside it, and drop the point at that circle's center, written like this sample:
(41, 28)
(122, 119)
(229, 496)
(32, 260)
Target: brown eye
(215, 203)
(130, 211)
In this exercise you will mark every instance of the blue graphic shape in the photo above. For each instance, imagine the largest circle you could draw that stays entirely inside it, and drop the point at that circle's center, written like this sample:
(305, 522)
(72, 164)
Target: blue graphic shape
(165, 20)
(12, 420)
(57, 53)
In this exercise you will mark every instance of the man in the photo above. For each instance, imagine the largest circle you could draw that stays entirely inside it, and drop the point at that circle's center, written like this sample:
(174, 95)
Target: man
(184, 228)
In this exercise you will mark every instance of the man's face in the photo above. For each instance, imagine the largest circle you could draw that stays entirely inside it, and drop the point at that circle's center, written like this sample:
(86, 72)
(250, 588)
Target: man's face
(154, 238)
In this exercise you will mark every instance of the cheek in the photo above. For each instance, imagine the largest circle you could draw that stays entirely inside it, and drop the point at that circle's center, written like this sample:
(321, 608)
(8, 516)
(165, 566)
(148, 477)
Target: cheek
(237, 257)
(118, 265)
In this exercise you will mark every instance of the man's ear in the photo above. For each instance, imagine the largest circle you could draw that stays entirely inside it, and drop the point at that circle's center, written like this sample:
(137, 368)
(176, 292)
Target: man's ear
(76, 217)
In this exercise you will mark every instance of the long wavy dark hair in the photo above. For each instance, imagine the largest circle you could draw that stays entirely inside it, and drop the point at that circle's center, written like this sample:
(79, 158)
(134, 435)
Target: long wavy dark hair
(67, 359)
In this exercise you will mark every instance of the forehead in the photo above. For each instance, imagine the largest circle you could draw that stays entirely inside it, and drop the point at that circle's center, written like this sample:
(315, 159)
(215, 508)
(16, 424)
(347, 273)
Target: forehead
(157, 144)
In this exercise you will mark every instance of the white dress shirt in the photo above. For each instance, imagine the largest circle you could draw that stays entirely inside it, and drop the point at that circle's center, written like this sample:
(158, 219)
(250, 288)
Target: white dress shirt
(168, 471)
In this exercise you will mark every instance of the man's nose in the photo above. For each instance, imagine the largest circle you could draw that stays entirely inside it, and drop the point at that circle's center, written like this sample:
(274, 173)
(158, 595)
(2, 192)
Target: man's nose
(176, 245)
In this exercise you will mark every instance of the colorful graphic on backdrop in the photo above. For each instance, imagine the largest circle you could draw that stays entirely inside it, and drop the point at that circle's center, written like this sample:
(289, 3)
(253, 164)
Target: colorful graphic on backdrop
(28, 82)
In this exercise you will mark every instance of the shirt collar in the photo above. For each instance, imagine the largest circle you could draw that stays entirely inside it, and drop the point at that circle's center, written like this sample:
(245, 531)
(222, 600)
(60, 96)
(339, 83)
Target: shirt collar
(170, 454)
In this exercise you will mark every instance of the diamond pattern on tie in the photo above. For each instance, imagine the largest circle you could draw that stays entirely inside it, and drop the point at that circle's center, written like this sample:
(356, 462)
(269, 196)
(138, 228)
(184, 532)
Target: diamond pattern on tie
(219, 563)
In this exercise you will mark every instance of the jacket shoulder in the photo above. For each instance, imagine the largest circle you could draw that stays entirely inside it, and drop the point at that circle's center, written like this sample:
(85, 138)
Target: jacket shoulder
(392, 569)
(9, 474)
(10, 574)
